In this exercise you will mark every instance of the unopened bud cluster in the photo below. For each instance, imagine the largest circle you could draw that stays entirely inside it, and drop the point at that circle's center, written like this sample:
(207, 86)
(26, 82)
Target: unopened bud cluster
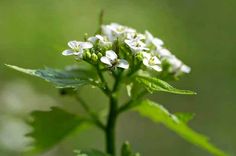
(123, 47)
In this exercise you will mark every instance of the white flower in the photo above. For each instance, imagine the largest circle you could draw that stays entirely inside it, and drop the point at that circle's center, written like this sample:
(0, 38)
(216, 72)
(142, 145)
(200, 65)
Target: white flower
(135, 36)
(162, 52)
(111, 59)
(102, 40)
(114, 30)
(136, 45)
(77, 48)
(185, 69)
(151, 61)
(177, 65)
(152, 40)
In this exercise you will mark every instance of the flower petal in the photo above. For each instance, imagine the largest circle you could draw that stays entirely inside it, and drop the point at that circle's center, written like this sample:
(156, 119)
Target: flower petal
(185, 69)
(149, 35)
(123, 64)
(86, 45)
(156, 67)
(175, 62)
(79, 55)
(68, 52)
(164, 52)
(146, 55)
(106, 60)
(92, 39)
(146, 62)
(100, 37)
(73, 44)
(111, 55)
(106, 30)
(157, 42)
(156, 60)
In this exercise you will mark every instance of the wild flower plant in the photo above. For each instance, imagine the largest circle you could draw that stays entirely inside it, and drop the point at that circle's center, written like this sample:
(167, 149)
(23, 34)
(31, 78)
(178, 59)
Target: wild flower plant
(139, 62)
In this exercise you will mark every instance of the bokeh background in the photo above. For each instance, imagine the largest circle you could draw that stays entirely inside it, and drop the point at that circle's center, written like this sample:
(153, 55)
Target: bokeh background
(200, 32)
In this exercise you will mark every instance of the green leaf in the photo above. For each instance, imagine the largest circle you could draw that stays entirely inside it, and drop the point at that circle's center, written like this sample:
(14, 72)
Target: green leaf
(155, 84)
(126, 150)
(184, 117)
(61, 78)
(50, 127)
(90, 153)
(157, 113)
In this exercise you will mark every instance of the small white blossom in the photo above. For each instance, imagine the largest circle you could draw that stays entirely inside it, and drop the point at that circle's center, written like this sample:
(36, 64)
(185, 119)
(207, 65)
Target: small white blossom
(102, 40)
(114, 30)
(151, 61)
(185, 69)
(135, 36)
(77, 48)
(136, 45)
(162, 52)
(153, 53)
(177, 65)
(152, 40)
(111, 59)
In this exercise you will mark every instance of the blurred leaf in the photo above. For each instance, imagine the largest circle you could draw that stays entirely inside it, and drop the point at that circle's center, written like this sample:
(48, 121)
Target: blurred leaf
(50, 127)
(184, 117)
(61, 78)
(90, 153)
(154, 84)
(126, 150)
(159, 114)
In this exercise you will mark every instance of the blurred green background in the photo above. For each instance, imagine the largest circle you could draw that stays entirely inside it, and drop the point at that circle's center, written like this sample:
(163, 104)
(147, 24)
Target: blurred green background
(200, 32)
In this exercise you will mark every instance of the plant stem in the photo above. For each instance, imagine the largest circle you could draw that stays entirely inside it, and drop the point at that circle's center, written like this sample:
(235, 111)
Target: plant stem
(112, 116)
(110, 129)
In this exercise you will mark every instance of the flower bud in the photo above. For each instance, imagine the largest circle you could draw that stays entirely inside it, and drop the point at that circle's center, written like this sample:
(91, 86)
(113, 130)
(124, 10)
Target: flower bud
(94, 57)
(87, 55)
(99, 55)
(85, 36)
(139, 57)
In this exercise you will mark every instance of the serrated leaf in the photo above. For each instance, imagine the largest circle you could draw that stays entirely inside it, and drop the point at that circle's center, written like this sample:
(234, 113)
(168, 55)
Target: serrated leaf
(155, 85)
(184, 117)
(90, 153)
(50, 127)
(157, 113)
(61, 78)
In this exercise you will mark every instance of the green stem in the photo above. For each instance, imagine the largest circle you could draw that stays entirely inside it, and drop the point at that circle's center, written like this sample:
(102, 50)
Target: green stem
(110, 128)
(112, 116)
(104, 87)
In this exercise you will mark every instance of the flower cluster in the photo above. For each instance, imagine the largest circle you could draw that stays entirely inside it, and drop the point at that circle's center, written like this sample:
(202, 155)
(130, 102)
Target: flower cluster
(123, 47)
